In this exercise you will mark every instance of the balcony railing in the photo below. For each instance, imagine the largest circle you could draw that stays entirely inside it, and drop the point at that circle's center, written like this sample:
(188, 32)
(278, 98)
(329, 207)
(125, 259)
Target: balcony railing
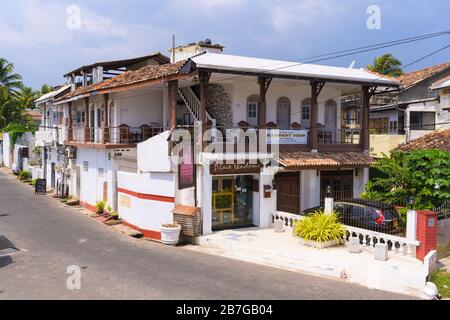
(251, 140)
(48, 136)
(115, 135)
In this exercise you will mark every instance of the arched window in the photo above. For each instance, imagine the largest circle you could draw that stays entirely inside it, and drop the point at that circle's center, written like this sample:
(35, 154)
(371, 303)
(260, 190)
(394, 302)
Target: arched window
(284, 113)
(253, 110)
(306, 113)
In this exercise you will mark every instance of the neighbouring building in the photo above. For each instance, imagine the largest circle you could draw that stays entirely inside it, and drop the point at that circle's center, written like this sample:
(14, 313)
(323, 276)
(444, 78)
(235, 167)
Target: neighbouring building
(121, 134)
(420, 107)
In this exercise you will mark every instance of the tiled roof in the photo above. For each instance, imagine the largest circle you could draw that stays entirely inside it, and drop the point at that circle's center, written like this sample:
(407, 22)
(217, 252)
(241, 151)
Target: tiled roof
(129, 78)
(411, 78)
(441, 84)
(305, 160)
(435, 140)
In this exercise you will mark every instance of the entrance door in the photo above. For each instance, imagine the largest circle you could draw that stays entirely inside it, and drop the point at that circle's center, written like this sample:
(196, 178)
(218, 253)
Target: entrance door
(232, 203)
(253, 113)
(288, 192)
(284, 114)
(53, 176)
(341, 183)
(331, 119)
(78, 192)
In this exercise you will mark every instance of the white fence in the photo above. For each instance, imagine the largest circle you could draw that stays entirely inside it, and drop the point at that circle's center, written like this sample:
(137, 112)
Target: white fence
(397, 245)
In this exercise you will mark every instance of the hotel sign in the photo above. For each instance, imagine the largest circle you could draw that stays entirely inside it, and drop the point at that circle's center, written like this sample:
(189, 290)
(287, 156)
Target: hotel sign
(235, 168)
(287, 137)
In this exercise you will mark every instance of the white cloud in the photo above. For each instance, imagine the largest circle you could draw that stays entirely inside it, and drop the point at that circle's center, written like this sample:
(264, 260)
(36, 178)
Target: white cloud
(303, 13)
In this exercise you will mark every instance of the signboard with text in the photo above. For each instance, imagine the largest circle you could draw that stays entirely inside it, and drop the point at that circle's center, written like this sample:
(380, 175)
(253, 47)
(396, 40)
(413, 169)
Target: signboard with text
(235, 168)
(286, 137)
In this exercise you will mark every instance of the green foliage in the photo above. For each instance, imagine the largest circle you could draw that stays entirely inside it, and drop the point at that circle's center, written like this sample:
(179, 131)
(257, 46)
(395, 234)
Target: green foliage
(387, 65)
(24, 175)
(321, 228)
(442, 280)
(16, 130)
(100, 206)
(33, 182)
(424, 174)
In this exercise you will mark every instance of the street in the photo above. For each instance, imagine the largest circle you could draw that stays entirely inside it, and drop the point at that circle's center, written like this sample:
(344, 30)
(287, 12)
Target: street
(51, 237)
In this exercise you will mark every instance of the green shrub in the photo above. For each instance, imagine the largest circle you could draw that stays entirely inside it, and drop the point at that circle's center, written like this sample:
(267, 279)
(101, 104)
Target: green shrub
(24, 175)
(100, 206)
(321, 228)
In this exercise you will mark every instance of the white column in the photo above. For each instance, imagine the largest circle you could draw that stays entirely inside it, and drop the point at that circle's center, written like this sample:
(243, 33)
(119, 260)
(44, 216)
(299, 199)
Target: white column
(411, 226)
(165, 109)
(329, 206)
(206, 199)
(267, 206)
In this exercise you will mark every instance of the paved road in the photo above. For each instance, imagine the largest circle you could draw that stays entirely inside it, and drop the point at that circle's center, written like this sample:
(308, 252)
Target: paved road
(52, 237)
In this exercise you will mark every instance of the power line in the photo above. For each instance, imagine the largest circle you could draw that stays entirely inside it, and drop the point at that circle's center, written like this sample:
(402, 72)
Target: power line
(349, 52)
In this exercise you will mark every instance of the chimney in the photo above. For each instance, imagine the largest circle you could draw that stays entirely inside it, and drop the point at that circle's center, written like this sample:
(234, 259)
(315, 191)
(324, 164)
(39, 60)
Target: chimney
(187, 51)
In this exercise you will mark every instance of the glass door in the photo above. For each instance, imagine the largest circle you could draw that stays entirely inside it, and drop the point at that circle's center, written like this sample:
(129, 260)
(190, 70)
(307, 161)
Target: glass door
(232, 202)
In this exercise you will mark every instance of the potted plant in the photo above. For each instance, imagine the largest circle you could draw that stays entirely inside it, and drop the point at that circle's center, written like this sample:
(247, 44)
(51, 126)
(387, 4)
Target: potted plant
(320, 231)
(100, 206)
(170, 234)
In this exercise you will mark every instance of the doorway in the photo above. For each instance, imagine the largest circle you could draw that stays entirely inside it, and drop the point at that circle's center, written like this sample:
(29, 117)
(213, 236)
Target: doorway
(331, 118)
(53, 176)
(232, 202)
(284, 113)
(78, 191)
(341, 183)
(288, 192)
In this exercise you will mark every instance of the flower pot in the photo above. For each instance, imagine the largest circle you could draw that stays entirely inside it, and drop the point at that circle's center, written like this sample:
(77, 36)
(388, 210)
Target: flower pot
(318, 245)
(170, 234)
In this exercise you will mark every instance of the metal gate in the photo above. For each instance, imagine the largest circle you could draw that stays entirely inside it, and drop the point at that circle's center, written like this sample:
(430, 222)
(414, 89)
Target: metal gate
(443, 244)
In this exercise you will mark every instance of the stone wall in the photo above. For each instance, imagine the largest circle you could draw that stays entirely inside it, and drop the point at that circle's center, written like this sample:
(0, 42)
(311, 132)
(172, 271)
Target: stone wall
(219, 105)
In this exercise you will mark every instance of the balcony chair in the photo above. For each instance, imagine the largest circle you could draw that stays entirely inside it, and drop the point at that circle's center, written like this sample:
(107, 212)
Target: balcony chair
(296, 126)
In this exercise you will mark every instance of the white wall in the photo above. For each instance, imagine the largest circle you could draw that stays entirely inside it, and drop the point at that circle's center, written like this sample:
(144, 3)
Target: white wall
(360, 181)
(428, 106)
(241, 91)
(146, 214)
(91, 180)
(7, 161)
(139, 107)
(310, 189)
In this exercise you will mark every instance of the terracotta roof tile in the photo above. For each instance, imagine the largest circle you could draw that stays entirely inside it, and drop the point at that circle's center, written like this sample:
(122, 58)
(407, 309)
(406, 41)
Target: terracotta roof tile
(435, 140)
(305, 160)
(411, 78)
(129, 78)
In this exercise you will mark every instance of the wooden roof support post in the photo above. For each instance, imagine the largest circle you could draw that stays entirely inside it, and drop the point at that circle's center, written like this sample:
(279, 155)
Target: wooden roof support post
(365, 134)
(87, 115)
(264, 84)
(173, 89)
(106, 124)
(316, 89)
(204, 79)
(70, 124)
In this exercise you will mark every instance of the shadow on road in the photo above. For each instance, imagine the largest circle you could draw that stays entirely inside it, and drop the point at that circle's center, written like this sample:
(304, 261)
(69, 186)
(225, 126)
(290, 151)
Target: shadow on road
(5, 261)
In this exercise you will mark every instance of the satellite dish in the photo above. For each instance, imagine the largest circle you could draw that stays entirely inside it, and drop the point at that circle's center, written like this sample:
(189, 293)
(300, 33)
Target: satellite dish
(208, 41)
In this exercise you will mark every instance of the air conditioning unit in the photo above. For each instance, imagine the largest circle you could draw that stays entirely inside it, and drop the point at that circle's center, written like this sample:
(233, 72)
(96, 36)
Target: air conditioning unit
(71, 153)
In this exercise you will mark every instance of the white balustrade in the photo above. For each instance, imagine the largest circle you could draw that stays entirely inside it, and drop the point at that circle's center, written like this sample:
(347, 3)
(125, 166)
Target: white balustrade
(289, 219)
(398, 245)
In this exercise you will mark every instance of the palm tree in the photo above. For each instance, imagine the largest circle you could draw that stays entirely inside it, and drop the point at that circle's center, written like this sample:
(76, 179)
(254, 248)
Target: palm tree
(26, 97)
(46, 89)
(387, 65)
(9, 80)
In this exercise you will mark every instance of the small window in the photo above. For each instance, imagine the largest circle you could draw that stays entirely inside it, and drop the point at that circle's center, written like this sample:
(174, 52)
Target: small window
(85, 166)
(306, 113)
(423, 120)
(252, 110)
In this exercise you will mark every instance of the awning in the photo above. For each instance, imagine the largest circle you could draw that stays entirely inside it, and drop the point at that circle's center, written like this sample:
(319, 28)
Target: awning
(324, 160)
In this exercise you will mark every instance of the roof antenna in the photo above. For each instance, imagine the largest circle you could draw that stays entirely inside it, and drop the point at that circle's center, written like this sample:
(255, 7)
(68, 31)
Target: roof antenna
(173, 49)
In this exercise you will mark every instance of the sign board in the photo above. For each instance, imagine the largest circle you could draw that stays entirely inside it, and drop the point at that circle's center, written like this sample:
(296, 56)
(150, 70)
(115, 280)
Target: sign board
(41, 187)
(287, 137)
(186, 169)
(125, 201)
(235, 168)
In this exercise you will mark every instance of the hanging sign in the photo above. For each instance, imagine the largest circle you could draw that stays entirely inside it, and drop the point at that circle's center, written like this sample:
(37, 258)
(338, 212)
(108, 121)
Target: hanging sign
(235, 168)
(286, 137)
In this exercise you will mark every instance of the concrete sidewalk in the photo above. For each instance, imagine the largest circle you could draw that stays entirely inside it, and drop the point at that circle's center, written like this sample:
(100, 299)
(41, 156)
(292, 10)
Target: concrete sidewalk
(399, 274)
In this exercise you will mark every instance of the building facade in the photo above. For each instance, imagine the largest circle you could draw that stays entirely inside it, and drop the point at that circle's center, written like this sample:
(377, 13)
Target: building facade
(262, 136)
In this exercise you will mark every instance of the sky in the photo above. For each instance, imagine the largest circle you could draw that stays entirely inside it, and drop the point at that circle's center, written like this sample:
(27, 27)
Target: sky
(47, 38)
